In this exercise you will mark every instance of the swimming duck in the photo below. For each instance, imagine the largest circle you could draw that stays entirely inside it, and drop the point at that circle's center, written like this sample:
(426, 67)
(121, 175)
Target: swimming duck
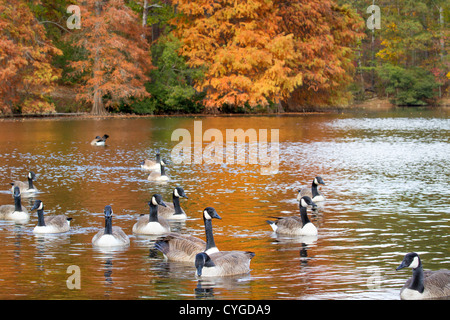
(99, 141)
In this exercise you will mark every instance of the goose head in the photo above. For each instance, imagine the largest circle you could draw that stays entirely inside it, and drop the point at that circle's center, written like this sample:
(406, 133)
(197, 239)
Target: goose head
(16, 192)
(38, 205)
(108, 219)
(157, 200)
(306, 201)
(179, 192)
(318, 180)
(411, 260)
(31, 176)
(210, 213)
(108, 211)
(202, 259)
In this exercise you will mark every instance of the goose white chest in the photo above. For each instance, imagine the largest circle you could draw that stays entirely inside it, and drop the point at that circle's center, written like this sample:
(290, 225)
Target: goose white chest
(308, 229)
(151, 228)
(108, 240)
(50, 229)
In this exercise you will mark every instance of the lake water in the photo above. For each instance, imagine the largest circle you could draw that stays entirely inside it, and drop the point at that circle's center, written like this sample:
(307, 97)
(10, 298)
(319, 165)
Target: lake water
(387, 193)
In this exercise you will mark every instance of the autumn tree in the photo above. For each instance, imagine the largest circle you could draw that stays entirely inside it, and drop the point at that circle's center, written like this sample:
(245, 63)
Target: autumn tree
(246, 56)
(325, 36)
(26, 73)
(117, 58)
(260, 51)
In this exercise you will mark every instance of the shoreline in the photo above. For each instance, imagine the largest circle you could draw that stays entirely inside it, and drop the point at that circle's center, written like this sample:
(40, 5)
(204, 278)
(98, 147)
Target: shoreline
(369, 105)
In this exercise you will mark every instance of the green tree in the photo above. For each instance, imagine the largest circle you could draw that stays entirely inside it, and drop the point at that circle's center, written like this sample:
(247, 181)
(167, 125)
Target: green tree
(172, 84)
(414, 86)
(413, 35)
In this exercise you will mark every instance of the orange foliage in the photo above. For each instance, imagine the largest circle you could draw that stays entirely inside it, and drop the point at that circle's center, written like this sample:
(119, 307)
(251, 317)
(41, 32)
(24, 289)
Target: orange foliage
(324, 35)
(248, 59)
(118, 57)
(26, 73)
(256, 51)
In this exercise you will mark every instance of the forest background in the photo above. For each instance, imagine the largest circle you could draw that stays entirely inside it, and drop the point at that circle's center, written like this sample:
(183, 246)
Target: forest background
(217, 56)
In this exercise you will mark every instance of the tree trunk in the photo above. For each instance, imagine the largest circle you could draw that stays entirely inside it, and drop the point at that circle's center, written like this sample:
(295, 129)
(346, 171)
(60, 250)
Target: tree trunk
(145, 13)
(97, 103)
(145, 16)
(441, 23)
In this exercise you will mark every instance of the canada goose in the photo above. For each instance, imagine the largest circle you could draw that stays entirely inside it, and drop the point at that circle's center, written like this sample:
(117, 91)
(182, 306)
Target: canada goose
(99, 141)
(182, 247)
(296, 225)
(151, 224)
(110, 236)
(52, 224)
(173, 210)
(151, 165)
(16, 211)
(313, 193)
(424, 284)
(25, 188)
(159, 175)
(223, 263)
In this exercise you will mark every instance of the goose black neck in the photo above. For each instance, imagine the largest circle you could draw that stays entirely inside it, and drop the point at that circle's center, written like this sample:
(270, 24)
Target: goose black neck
(41, 222)
(108, 225)
(17, 204)
(209, 234)
(304, 215)
(158, 157)
(176, 204)
(417, 279)
(163, 172)
(153, 213)
(314, 190)
(30, 183)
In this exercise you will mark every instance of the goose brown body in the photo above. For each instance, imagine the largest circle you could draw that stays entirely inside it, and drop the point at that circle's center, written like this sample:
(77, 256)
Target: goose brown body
(223, 263)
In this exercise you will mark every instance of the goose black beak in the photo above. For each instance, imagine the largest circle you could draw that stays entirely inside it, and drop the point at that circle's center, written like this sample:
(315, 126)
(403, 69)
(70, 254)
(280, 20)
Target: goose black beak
(161, 203)
(401, 266)
(36, 205)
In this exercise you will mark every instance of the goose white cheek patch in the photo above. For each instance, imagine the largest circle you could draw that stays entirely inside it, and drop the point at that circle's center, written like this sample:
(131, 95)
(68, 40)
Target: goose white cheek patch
(415, 263)
(304, 204)
(206, 214)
